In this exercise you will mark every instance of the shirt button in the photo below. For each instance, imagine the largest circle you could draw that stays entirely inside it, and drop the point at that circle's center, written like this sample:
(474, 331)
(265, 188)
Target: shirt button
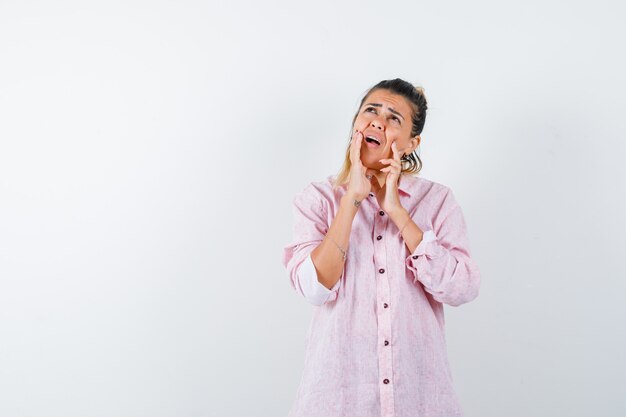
(371, 195)
(386, 342)
(414, 256)
(379, 237)
(385, 305)
(386, 381)
(381, 270)
(382, 213)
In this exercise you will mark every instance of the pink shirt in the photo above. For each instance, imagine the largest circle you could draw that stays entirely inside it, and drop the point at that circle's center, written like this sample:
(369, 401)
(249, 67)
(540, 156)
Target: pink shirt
(376, 342)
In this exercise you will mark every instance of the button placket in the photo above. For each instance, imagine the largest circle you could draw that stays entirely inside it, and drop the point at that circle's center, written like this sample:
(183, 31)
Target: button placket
(385, 360)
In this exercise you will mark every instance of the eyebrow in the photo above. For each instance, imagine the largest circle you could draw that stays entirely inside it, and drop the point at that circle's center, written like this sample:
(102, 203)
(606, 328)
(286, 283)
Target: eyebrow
(390, 109)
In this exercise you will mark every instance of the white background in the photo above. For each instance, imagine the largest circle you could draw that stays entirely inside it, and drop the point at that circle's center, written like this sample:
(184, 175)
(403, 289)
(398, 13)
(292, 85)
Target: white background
(150, 151)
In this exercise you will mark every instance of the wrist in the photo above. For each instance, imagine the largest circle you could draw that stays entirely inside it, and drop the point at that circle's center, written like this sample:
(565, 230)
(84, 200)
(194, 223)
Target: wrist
(348, 201)
(399, 216)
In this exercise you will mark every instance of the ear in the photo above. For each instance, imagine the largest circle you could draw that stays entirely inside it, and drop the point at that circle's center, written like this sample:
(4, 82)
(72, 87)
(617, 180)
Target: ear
(413, 144)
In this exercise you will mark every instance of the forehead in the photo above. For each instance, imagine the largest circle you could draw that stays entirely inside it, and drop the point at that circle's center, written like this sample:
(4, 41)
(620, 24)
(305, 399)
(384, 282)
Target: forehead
(389, 99)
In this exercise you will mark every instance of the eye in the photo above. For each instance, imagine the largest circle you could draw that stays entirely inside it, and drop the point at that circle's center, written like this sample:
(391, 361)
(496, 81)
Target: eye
(373, 110)
(396, 119)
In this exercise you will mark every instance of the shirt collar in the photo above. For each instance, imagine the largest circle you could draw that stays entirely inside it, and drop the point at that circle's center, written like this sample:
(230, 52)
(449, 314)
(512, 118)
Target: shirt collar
(404, 184)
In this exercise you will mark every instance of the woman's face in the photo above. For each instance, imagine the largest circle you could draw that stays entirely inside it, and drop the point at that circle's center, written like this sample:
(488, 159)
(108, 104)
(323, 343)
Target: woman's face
(386, 117)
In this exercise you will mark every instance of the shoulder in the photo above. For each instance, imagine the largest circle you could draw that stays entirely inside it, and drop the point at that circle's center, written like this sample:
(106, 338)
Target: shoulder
(318, 189)
(323, 186)
(323, 191)
(430, 197)
(424, 187)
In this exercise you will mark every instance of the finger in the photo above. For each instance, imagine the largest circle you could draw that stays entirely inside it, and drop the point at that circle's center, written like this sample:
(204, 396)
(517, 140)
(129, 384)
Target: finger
(352, 142)
(355, 147)
(392, 162)
(358, 145)
(394, 148)
(393, 168)
(398, 156)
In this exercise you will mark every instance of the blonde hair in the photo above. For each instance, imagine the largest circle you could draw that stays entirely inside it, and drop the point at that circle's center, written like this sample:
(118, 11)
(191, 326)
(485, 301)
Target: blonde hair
(411, 163)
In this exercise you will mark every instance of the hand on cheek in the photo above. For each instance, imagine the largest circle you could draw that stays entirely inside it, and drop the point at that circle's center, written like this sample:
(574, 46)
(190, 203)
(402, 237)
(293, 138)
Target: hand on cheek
(390, 200)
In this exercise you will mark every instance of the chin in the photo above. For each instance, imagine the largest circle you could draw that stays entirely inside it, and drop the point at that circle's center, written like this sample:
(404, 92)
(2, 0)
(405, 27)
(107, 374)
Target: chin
(371, 161)
(373, 165)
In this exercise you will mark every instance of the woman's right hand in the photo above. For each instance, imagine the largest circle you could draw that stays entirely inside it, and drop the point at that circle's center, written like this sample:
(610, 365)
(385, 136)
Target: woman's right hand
(359, 185)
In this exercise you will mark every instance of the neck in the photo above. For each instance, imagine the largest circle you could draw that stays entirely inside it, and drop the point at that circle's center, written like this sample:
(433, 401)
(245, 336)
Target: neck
(381, 177)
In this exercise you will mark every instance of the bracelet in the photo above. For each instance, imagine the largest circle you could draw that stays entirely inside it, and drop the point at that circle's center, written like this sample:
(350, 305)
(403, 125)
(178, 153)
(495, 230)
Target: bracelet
(340, 248)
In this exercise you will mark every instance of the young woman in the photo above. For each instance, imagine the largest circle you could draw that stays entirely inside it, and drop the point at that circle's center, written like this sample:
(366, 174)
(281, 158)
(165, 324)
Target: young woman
(378, 251)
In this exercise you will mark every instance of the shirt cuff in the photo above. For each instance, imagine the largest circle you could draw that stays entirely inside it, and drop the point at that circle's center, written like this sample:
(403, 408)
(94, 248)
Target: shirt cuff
(312, 289)
(429, 236)
(428, 246)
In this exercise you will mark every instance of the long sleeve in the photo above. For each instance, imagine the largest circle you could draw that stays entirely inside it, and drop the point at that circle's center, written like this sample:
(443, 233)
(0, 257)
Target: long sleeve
(442, 262)
(313, 290)
(309, 228)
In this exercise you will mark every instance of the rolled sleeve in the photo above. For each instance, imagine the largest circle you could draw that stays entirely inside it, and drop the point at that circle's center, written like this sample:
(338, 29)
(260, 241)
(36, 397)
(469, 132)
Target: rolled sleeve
(442, 263)
(309, 229)
(313, 290)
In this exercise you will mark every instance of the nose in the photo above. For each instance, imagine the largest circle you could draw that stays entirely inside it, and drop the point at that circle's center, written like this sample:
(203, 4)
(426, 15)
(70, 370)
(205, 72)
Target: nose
(376, 123)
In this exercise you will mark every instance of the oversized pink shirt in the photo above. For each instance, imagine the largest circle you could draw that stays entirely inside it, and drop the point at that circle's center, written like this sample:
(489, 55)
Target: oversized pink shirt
(376, 343)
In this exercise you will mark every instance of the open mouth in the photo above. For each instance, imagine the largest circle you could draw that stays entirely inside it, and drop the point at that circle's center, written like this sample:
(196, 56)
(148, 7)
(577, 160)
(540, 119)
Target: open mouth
(372, 140)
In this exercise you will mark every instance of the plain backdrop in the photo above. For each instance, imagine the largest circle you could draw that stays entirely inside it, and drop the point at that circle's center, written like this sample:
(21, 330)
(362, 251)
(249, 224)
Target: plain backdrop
(150, 152)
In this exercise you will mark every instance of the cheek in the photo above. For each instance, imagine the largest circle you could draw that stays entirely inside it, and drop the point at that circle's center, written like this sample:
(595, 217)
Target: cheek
(399, 147)
(360, 124)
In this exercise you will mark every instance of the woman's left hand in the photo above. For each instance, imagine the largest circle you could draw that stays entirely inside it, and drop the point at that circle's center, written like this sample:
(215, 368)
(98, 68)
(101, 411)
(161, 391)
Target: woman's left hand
(390, 200)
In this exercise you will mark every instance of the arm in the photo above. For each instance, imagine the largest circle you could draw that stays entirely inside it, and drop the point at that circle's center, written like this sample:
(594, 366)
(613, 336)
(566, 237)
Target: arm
(310, 287)
(314, 263)
(327, 257)
(440, 259)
